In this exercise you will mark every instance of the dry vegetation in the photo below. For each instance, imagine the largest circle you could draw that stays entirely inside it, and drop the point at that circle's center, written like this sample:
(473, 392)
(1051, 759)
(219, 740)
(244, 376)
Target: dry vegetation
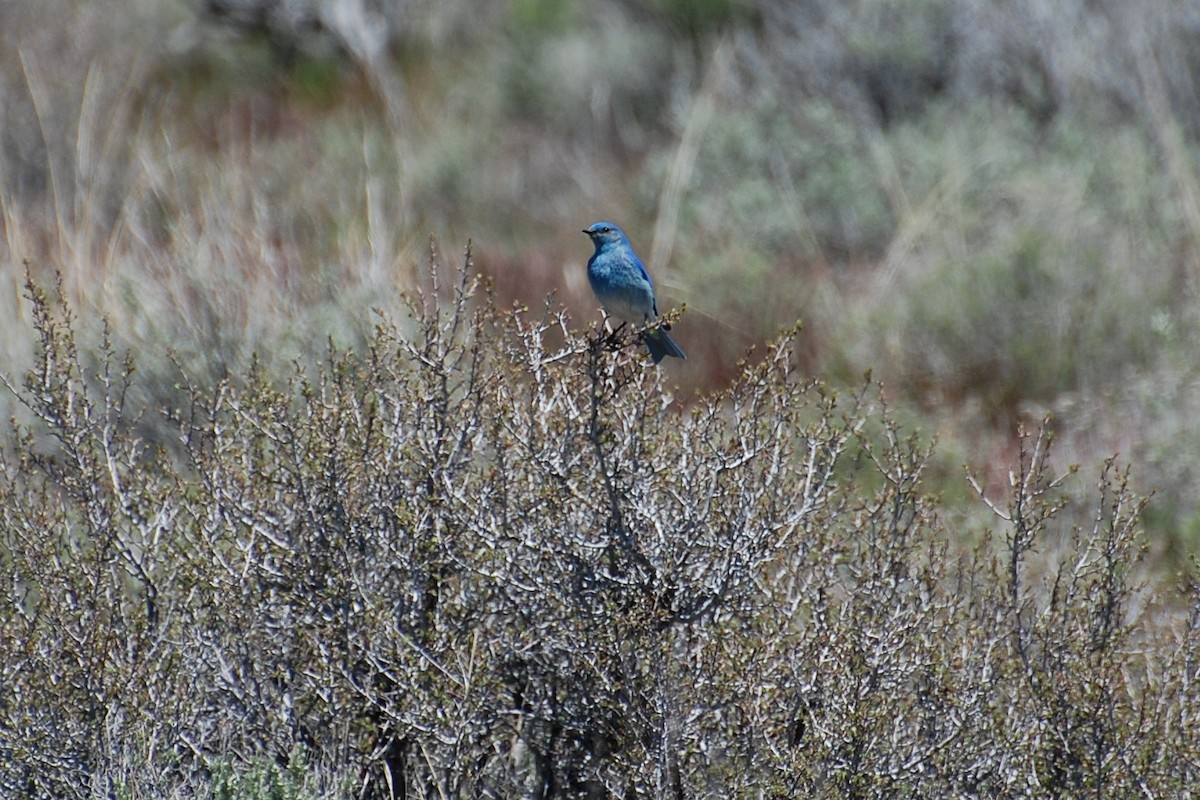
(462, 564)
(279, 517)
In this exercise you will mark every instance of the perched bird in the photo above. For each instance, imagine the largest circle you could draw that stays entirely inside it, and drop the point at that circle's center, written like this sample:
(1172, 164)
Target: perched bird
(622, 285)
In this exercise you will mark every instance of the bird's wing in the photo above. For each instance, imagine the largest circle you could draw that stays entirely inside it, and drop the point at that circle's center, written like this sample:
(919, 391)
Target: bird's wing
(641, 268)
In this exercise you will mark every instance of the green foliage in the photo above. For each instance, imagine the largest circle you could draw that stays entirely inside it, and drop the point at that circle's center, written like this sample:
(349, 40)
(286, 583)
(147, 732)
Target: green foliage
(1001, 324)
(468, 561)
(696, 18)
(317, 80)
(793, 176)
(264, 780)
(571, 72)
(1024, 296)
(539, 17)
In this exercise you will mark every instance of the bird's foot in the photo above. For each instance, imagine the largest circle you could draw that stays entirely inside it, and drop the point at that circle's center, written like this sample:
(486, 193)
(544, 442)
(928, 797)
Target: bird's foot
(613, 341)
(608, 340)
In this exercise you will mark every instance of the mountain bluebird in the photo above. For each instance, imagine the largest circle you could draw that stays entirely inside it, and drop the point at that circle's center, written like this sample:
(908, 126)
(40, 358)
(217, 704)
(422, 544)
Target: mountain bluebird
(624, 288)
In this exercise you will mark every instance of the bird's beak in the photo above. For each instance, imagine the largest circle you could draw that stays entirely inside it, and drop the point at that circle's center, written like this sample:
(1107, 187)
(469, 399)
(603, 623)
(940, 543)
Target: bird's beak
(585, 230)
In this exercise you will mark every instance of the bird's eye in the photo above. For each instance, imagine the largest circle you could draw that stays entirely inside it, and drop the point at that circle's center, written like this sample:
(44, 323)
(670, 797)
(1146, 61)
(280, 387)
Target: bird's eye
(605, 229)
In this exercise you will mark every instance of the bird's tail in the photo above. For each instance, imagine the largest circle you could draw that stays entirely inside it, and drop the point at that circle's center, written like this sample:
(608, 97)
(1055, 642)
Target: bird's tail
(661, 345)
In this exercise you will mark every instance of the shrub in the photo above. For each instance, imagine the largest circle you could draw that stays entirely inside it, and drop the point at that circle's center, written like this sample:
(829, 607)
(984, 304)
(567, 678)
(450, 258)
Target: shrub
(496, 557)
(791, 180)
(1033, 268)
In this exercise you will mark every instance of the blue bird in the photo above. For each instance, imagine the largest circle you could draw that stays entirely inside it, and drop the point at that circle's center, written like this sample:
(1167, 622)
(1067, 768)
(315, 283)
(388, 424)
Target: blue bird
(622, 285)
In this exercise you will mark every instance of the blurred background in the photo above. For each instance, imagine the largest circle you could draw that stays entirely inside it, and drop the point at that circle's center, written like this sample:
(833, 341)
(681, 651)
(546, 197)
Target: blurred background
(992, 207)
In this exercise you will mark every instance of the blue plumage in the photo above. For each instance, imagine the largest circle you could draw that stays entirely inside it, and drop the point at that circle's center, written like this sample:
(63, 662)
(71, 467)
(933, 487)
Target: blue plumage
(621, 284)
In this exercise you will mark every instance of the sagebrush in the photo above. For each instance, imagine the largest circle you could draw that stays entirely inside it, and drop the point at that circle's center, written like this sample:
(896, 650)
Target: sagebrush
(488, 555)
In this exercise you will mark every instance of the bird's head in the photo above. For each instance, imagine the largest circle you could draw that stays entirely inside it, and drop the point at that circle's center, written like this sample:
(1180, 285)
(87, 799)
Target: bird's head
(602, 233)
